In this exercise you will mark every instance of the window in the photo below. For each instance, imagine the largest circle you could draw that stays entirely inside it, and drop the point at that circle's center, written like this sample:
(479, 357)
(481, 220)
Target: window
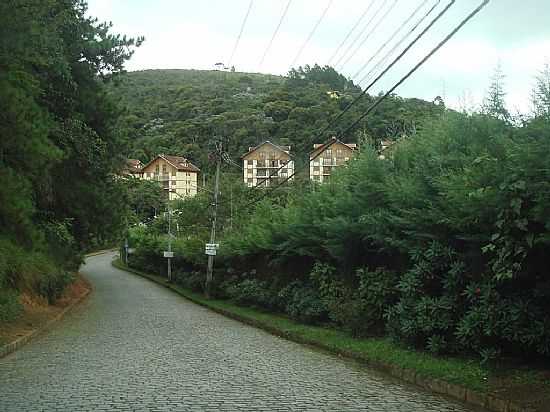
(316, 178)
(173, 173)
(187, 174)
(316, 168)
(249, 171)
(164, 169)
(173, 182)
(157, 168)
(250, 180)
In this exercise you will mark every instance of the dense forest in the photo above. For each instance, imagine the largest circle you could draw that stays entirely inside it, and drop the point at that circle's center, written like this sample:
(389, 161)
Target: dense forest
(181, 111)
(60, 147)
(440, 246)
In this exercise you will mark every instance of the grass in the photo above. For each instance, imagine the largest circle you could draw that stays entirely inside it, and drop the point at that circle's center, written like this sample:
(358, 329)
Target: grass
(379, 352)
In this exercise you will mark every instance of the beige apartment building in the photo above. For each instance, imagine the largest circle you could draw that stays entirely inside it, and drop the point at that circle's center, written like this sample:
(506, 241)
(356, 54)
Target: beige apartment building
(267, 165)
(133, 168)
(326, 156)
(177, 175)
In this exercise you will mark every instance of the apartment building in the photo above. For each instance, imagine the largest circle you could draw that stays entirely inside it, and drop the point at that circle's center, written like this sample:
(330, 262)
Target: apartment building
(327, 156)
(177, 175)
(267, 165)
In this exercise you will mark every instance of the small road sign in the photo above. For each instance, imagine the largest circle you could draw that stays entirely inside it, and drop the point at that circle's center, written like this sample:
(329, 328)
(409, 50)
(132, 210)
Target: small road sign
(168, 254)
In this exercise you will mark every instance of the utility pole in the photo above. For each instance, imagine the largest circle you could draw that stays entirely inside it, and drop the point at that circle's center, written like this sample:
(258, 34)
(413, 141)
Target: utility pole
(231, 207)
(169, 255)
(210, 266)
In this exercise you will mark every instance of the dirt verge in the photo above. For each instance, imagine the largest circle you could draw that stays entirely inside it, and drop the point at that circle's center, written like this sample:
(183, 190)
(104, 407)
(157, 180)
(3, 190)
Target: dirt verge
(38, 315)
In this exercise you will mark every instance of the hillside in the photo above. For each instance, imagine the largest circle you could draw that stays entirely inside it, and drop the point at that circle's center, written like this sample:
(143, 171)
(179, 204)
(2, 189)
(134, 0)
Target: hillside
(179, 111)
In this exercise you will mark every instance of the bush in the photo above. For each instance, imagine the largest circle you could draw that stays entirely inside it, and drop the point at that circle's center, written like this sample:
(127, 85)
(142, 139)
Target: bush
(429, 300)
(10, 307)
(190, 280)
(51, 285)
(358, 309)
(250, 292)
(303, 303)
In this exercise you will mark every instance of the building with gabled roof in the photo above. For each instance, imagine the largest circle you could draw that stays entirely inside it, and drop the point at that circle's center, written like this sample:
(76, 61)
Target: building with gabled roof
(132, 168)
(327, 156)
(267, 164)
(177, 175)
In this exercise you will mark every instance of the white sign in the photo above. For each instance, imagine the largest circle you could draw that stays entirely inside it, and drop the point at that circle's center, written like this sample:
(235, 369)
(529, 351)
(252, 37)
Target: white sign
(211, 248)
(168, 254)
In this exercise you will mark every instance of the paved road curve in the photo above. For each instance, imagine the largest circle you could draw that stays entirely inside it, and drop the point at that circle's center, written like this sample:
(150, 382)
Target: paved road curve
(133, 345)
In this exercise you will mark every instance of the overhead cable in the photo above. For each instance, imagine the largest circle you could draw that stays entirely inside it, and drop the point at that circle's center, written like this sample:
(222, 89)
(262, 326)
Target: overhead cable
(240, 33)
(311, 33)
(350, 32)
(369, 34)
(395, 33)
(275, 32)
(389, 92)
(365, 27)
(384, 59)
(364, 91)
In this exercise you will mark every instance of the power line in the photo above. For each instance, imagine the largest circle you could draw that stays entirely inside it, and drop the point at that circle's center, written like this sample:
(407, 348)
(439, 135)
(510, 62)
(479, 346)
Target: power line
(395, 33)
(364, 92)
(369, 34)
(240, 33)
(356, 39)
(390, 52)
(389, 92)
(275, 32)
(399, 57)
(311, 33)
(351, 31)
(417, 66)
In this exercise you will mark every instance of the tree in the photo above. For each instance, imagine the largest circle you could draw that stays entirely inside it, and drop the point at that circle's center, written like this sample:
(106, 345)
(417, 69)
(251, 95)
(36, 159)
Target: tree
(494, 103)
(541, 93)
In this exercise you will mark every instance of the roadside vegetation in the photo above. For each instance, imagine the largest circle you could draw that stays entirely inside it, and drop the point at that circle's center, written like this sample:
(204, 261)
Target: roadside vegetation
(439, 247)
(59, 145)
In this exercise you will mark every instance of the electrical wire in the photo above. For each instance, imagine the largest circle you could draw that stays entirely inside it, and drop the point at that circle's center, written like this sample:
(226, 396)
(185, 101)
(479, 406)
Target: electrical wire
(399, 57)
(417, 66)
(275, 32)
(240, 33)
(392, 50)
(350, 32)
(311, 33)
(389, 92)
(356, 39)
(364, 92)
(395, 33)
(369, 34)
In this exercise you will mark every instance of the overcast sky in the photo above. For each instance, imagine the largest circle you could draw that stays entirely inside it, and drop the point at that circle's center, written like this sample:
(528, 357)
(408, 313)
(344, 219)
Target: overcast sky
(196, 34)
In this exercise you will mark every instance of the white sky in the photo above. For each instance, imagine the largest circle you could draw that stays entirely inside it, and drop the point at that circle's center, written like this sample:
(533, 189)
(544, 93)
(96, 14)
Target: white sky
(196, 34)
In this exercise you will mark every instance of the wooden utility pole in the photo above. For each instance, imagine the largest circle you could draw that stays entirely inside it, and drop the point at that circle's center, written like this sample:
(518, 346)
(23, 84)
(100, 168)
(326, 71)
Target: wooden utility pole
(169, 255)
(210, 266)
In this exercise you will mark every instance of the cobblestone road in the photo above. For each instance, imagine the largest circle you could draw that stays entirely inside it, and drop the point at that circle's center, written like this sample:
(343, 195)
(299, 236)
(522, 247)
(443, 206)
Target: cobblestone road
(133, 345)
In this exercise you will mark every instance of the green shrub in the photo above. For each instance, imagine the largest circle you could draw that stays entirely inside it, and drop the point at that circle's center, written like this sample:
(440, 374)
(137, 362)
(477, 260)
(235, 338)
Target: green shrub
(250, 292)
(303, 303)
(190, 280)
(10, 307)
(51, 284)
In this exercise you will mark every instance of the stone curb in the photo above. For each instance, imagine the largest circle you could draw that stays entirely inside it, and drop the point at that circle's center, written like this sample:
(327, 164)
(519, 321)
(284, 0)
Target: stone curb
(452, 390)
(100, 252)
(11, 347)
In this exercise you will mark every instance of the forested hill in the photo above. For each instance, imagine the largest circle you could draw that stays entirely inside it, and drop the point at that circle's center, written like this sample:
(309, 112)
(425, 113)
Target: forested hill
(180, 111)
